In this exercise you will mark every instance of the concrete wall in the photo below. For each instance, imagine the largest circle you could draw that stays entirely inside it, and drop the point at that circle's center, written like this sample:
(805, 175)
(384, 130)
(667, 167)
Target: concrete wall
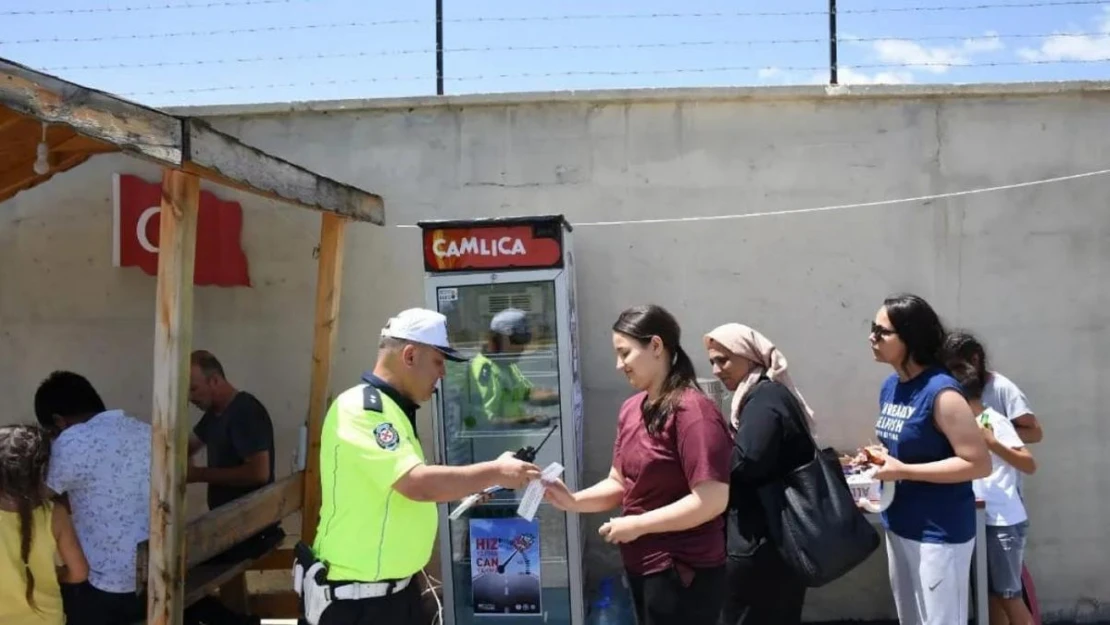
(1025, 268)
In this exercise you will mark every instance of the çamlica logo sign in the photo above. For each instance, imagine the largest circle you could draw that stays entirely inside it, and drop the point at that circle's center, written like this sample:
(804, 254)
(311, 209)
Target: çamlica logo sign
(488, 248)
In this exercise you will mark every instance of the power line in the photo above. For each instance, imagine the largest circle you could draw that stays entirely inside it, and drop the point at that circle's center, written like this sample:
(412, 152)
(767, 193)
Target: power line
(973, 7)
(837, 207)
(566, 74)
(149, 7)
(547, 48)
(596, 16)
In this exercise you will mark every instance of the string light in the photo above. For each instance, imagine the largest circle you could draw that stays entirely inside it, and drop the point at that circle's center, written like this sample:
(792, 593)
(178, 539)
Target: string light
(42, 152)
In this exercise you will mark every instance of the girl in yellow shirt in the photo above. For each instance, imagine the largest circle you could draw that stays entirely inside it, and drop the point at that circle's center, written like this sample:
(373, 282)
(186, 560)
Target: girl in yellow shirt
(32, 532)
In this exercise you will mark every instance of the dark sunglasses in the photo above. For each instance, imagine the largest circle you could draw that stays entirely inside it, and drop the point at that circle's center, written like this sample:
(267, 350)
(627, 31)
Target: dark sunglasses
(880, 331)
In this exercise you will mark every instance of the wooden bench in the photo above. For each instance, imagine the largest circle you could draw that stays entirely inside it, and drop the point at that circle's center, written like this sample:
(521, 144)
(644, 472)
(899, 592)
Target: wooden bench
(218, 530)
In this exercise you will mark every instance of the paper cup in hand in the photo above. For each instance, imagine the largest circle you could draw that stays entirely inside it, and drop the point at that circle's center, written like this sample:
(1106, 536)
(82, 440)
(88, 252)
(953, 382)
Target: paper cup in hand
(864, 487)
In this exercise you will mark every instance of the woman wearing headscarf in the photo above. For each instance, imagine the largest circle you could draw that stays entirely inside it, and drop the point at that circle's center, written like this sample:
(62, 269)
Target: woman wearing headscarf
(768, 421)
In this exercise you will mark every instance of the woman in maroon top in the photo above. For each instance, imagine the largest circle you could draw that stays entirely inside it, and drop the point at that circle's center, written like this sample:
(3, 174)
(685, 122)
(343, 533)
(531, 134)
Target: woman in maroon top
(670, 475)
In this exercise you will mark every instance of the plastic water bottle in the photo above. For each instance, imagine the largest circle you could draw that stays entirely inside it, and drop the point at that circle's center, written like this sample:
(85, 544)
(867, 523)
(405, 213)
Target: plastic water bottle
(605, 611)
(624, 602)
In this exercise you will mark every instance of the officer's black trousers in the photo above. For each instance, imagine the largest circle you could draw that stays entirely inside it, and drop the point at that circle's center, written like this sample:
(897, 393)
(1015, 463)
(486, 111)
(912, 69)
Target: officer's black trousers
(402, 608)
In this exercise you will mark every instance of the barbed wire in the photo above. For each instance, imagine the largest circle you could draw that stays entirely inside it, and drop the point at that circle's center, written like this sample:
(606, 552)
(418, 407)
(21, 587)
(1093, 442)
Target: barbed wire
(546, 48)
(189, 33)
(544, 18)
(610, 73)
(214, 4)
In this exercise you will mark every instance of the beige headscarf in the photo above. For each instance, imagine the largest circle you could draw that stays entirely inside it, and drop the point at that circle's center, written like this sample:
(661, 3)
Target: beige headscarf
(747, 343)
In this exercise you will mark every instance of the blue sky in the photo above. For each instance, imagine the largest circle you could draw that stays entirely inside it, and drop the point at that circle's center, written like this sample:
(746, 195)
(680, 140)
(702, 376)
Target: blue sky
(332, 49)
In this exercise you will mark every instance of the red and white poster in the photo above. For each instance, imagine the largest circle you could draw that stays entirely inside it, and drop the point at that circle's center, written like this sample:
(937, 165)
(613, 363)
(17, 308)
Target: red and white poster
(220, 260)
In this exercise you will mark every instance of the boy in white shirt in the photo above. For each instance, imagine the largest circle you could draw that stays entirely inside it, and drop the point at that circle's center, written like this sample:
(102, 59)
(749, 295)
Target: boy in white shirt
(1007, 521)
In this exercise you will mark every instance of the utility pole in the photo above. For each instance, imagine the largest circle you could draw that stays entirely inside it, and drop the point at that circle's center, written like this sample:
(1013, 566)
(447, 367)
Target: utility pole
(439, 47)
(832, 42)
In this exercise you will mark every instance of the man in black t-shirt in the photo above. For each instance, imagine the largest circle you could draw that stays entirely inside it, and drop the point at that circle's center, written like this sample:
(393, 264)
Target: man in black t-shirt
(235, 430)
(238, 435)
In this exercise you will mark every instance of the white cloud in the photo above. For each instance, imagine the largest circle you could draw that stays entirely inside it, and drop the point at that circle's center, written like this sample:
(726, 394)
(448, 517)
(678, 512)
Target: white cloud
(1063, 46)
(903, 55)
(989, 42)
(934, 59)
(849, 76)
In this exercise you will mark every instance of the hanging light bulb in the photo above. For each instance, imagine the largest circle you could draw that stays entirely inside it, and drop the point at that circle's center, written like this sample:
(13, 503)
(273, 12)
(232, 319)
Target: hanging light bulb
(42, 163)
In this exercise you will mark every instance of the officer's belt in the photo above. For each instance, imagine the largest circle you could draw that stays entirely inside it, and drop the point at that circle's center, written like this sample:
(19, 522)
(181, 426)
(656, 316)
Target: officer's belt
(305, 559)
(353, 591)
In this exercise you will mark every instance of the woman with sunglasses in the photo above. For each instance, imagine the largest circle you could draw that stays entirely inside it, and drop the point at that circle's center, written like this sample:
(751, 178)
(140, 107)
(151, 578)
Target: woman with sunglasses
(934, 450)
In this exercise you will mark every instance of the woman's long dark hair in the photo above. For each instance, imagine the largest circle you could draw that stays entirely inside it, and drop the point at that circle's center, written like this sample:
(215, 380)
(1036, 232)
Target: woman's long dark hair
(919, 327)
(969, 377)
(962, 348)
(641, 323)
(24, 456)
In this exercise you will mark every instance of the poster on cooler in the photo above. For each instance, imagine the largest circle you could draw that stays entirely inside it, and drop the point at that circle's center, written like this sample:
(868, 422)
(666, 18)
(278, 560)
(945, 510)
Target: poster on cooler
(505, 566)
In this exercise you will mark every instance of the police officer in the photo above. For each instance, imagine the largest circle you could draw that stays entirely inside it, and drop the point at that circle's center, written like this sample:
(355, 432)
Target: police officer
(378, 514)
(499, 391)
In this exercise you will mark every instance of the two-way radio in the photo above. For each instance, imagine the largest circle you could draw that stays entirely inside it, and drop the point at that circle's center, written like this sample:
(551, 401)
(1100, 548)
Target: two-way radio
(527, 454)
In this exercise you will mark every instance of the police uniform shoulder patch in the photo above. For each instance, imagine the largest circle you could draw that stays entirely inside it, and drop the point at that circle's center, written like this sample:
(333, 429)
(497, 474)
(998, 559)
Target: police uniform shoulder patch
(371, 399)
(386, 436)
(485, 373)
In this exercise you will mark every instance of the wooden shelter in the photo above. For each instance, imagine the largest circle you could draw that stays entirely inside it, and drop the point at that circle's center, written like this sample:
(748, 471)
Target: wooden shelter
(76, 123)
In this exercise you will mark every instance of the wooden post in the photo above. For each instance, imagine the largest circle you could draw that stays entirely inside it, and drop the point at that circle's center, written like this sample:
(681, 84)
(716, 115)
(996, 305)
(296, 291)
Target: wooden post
(234, 594)
(329, 283)
(173, 334)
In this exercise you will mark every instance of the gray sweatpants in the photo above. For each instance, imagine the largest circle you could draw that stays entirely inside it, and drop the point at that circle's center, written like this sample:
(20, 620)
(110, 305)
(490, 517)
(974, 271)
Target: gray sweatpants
(930, 581)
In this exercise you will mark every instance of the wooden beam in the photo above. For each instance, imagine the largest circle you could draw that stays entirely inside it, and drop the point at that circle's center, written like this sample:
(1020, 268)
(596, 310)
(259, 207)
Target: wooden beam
(277, 605)
(173, 333)
(23, 176)
(203, 580)
(234, 593)
(222, 158)
(83, 144)
(22, 146)
(9, 119)
(277, 560)
(218, 530)
(182, 143)
(329, 284)
(134, 128)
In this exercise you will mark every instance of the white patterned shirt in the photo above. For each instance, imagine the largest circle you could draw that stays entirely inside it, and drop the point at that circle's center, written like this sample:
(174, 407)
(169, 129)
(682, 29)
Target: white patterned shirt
(103, 465)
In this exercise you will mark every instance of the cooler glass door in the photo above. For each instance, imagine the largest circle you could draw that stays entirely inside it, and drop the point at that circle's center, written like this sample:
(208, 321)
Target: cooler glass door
(505, 568)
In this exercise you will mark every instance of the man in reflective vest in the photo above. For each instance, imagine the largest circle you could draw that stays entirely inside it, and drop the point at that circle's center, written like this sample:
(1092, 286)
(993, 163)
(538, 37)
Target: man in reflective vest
(378, 514)
(499, 391)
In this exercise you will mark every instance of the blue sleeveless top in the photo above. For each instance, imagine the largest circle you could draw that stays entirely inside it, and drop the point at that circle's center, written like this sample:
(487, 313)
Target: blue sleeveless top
(922, 511)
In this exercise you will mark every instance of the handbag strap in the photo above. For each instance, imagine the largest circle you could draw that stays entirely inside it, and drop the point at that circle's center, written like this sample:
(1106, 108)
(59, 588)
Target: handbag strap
(796, 415)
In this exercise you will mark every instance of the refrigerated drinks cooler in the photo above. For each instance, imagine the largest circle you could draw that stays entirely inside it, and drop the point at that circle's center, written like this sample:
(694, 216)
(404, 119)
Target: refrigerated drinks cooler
(507, 288)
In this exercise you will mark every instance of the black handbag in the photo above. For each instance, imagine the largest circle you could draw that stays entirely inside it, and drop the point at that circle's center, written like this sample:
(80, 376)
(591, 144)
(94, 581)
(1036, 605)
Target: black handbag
(812, 518)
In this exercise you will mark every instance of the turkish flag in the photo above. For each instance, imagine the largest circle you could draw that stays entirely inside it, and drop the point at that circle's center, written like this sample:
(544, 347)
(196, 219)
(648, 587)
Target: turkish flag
(220, 260)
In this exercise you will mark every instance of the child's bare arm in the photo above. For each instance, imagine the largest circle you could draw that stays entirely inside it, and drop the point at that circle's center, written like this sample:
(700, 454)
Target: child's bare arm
(1020, 458)
(75, 569)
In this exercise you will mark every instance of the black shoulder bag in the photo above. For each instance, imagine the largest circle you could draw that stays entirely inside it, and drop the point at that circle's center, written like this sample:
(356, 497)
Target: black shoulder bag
(812, 518)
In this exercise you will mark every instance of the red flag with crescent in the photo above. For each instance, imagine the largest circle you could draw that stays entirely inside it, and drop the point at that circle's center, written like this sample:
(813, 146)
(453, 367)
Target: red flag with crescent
(220, 260)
